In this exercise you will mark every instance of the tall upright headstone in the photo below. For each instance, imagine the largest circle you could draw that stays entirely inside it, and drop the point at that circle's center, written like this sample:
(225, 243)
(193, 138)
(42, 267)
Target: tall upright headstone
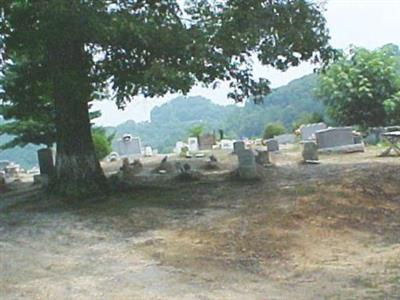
(310, 151)
(193, 144)
(247, 165)
(247, 162)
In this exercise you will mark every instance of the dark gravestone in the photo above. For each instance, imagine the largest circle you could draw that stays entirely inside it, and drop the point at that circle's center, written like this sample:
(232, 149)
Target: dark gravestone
(310, 151)
(46, 162)
(207, 141)
(247, 165)
(238, 147)
(272, 145)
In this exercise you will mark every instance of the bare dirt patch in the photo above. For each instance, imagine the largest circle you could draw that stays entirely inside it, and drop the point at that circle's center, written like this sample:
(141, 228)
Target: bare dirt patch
(328, 231)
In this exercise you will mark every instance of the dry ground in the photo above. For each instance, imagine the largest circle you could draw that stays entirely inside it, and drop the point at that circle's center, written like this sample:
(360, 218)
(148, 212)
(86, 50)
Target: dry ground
(328, 231)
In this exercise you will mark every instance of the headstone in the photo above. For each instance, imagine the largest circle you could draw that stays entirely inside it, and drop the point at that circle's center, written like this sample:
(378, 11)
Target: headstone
(148, 151)
(193, 144)
(129, 145)
(334, 137)
(206, 141)
(308, 131)
(113, 156)
(310, 151)
(46, 162)
(227, 145)
(247, 165)
(272, 145)
(238, 147)
(374, 135)
(179, 146)
(339, 139)
(262, 158)
(357, 138)
(287, 138)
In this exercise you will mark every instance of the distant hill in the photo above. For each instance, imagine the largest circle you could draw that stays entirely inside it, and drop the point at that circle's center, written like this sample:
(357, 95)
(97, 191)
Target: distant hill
(171, 121)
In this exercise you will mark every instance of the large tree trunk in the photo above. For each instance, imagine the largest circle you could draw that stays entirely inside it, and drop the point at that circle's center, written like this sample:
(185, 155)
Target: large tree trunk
(78, 171)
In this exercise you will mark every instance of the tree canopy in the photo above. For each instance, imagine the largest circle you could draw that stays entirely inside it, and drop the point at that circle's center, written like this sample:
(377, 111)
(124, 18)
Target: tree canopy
(362, 88)
(57, 56)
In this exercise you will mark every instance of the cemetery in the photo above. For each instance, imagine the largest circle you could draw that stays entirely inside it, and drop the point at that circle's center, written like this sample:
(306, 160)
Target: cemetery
(199, 150)
(300, 228)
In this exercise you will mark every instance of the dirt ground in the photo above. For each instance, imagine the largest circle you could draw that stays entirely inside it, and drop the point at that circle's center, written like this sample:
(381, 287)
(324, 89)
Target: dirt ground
(327, 231)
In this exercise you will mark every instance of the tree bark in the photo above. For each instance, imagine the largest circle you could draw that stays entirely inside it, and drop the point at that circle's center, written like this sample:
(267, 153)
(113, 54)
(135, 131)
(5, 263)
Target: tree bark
(78, 171)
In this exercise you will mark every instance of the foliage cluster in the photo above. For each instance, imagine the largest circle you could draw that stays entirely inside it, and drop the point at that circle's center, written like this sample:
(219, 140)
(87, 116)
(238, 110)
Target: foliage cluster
(273, 129)
(363, 87)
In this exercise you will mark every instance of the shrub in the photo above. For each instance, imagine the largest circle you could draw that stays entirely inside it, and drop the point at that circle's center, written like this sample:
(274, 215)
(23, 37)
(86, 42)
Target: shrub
(102, 142)
(273, 129)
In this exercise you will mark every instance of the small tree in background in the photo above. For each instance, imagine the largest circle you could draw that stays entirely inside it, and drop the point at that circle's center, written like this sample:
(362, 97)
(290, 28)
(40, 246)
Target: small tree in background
(362, 88)
(102, 142)
(273, 129)
(196, 131)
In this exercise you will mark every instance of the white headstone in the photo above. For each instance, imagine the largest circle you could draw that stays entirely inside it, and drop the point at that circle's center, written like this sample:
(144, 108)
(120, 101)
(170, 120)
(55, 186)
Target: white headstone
(148, 151)
(193, 144)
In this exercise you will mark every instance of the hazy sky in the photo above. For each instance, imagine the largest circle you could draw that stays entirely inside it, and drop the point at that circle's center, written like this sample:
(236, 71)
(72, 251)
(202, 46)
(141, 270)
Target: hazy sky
(364, 23)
